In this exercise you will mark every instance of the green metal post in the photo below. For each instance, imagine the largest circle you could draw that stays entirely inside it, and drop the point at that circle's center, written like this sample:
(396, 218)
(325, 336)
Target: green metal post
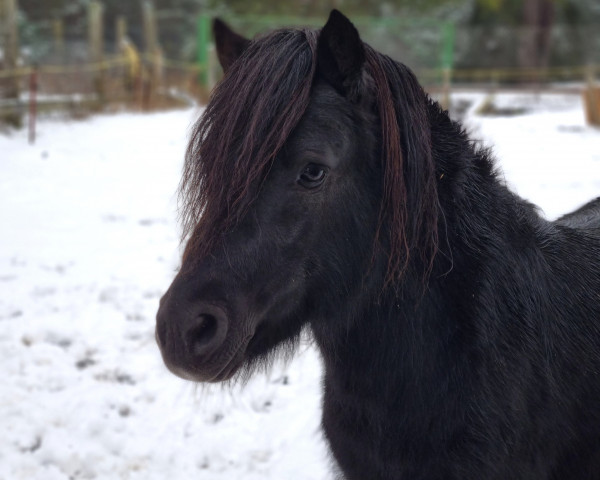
(203, 41)
(449, 36)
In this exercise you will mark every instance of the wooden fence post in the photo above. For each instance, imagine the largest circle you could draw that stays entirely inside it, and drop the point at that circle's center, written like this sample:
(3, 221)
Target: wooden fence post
(592, 97)
(150, 30)
(33, 85)
(120, 32)
(58, 30)
(11, 59)
(157, 69)
(96, 44)
(122, 47)
(202, 47)
(151, 47)
(212, 67)
(446, 88)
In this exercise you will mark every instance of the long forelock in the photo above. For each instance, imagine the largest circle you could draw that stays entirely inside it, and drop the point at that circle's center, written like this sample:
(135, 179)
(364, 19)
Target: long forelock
(251, 114)
(253, 111)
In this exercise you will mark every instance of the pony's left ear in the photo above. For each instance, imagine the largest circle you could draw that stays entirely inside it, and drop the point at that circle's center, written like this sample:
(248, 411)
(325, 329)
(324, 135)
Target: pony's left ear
(230, 45)
(340, 54)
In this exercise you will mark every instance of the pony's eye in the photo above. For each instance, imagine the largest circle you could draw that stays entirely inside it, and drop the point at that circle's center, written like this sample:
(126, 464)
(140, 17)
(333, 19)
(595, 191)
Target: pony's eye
(312, 176)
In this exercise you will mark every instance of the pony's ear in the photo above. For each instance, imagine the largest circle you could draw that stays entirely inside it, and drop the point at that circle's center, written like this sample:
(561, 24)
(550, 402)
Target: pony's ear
(340, 54)
(229, 44)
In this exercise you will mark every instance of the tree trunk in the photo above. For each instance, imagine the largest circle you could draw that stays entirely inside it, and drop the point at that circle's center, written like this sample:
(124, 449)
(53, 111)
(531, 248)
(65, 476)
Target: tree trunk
(534, 49)
(10, 86)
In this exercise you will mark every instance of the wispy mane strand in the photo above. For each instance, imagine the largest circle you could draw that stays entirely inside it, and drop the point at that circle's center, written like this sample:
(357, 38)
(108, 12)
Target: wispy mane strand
(409, 205)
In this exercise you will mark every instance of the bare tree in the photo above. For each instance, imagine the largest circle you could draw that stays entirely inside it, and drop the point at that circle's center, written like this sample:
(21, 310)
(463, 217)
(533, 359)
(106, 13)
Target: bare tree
(535, 42)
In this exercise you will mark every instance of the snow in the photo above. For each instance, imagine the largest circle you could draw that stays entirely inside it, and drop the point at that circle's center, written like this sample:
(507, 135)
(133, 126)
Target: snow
(550, 157)
(90, 242)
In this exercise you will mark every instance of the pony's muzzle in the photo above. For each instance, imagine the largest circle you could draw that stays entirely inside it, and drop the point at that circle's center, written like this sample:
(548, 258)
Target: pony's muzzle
(190, 335)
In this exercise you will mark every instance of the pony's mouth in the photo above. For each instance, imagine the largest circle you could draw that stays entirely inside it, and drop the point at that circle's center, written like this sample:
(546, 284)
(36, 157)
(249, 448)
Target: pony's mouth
(233, 364)
(201, 372)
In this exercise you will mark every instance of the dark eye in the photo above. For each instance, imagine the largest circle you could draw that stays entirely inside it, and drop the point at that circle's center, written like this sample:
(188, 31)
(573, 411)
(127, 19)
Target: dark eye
(312, 176)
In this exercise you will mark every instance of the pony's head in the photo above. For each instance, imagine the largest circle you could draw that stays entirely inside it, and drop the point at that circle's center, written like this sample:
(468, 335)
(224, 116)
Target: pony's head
(308, 187)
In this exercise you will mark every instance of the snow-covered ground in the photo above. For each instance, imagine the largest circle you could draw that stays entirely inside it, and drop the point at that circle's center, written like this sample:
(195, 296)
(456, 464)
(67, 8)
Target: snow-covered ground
(89, 242)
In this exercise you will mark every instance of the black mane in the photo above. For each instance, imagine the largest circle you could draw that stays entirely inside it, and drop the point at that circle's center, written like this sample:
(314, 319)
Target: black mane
(248, 119)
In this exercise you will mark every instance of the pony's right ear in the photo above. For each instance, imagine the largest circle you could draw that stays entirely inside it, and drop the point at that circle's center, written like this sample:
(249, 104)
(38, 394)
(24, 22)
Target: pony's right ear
(230, 45)
(341, 54)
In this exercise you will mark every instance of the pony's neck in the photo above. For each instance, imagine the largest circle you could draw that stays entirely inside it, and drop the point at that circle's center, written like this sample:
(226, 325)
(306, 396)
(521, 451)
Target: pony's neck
(418, 327)
(374, 332)
(478, 213)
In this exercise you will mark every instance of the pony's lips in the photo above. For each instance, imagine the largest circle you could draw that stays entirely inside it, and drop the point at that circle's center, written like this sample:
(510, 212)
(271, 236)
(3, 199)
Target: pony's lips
(229, 370)
(196, 373)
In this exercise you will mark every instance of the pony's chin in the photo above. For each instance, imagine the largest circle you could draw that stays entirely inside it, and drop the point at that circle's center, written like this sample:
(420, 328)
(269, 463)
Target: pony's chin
(228, 372)
(195, 375)
(208, 372)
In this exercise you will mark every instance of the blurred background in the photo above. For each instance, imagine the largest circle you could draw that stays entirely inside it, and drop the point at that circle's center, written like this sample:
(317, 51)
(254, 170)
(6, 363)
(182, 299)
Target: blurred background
(78, 56)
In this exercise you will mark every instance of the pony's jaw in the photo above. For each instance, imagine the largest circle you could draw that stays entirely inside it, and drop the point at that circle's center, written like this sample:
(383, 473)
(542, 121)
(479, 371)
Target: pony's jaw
(207, 328)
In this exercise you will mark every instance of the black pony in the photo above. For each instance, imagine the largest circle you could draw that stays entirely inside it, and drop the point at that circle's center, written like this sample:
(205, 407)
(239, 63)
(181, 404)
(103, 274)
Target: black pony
(460, 332)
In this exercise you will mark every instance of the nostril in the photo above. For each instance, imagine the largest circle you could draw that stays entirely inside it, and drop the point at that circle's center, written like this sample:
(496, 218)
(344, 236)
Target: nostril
(205, 335)
(201, 335)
